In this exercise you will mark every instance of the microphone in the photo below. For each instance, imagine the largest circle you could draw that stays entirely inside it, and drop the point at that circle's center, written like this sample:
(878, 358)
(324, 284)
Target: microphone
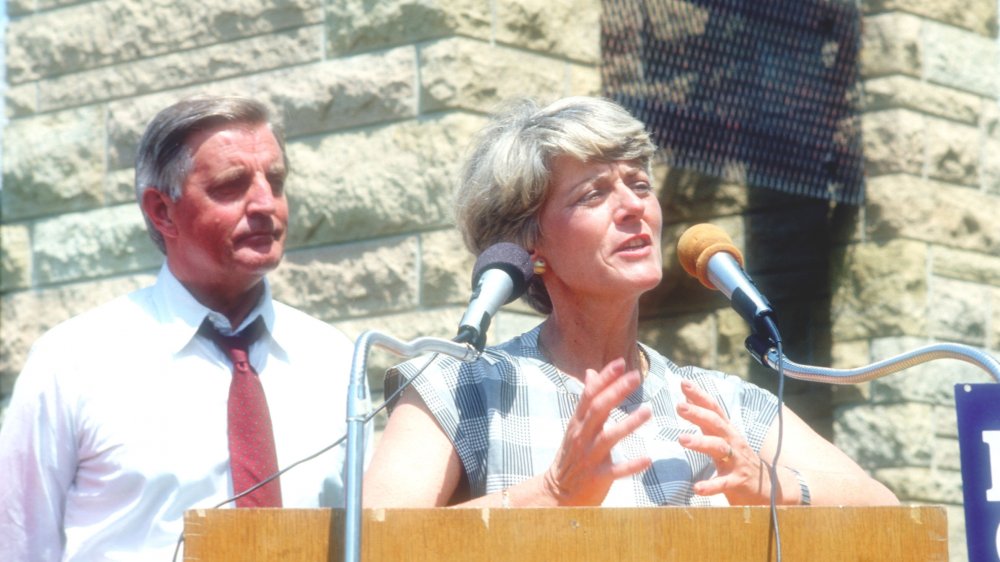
(500, 276)
(707, 253)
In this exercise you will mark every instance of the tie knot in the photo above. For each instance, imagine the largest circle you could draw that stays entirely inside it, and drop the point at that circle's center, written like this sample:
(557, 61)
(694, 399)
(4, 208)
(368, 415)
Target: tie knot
(236, 346)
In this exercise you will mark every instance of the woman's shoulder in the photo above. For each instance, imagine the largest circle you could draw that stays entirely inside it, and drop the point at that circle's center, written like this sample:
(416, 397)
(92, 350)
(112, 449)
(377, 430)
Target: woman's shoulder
(507, 357)
(441, 380)
(499, 361)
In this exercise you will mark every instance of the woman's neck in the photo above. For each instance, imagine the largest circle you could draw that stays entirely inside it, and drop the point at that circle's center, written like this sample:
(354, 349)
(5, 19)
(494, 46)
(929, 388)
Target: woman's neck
(583, 336)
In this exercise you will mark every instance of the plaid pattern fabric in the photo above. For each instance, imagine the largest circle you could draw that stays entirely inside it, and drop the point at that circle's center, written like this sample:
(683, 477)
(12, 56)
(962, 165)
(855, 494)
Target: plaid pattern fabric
(507, 412)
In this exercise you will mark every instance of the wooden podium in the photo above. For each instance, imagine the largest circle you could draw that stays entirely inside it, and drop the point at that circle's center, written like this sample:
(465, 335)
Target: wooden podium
(813, 534)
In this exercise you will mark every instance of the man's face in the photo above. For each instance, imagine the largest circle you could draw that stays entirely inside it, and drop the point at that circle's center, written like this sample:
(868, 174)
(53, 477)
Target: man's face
(230, 223)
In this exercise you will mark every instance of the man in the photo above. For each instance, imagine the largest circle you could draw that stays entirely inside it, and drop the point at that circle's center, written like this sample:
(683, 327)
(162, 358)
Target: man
(122, 418)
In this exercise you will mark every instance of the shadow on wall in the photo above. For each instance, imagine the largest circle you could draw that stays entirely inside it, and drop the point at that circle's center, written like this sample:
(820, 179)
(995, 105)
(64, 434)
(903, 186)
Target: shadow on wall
(788, 241)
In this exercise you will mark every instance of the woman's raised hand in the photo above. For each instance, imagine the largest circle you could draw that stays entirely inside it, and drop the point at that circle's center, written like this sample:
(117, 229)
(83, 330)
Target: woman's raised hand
(742, 474)
(583, 470)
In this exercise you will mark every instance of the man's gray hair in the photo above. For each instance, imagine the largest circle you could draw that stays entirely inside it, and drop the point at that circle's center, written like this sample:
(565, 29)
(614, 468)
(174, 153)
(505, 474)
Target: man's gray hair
(505, 181)
(163, 160)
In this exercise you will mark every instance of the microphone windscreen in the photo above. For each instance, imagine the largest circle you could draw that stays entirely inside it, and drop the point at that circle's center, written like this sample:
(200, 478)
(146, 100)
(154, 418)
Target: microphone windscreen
(698, 244)
(509, 257)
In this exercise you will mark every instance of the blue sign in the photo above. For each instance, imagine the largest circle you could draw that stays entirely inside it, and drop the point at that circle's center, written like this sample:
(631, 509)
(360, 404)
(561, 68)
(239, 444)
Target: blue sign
(978, 407)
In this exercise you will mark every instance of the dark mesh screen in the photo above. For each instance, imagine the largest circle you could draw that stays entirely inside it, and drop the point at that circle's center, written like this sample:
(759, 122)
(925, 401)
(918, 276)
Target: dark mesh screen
(758, 91)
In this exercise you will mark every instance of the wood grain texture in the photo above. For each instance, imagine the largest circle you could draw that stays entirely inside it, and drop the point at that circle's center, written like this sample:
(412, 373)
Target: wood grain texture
(816, 534)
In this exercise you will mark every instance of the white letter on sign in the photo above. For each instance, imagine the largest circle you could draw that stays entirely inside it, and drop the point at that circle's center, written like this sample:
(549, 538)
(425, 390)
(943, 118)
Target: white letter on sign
(992, 439)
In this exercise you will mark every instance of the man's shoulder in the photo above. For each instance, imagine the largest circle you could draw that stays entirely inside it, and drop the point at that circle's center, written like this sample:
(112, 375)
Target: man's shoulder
(110, 326)
(120, 314)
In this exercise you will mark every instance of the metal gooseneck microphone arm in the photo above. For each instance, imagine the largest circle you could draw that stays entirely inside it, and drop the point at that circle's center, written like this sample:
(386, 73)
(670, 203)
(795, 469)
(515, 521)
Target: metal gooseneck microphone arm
(356, 412)
(767, 356)
(707, 253)
(501, 275)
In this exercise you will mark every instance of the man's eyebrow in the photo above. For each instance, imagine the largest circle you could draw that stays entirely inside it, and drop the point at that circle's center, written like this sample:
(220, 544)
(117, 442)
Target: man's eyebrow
(230, 173)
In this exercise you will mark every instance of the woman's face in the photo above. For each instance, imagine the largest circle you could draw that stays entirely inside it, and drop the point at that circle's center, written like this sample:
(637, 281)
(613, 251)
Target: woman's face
(600, 230)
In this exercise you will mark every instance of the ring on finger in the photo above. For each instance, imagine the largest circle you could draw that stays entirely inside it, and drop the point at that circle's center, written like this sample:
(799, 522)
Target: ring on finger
(728, 456)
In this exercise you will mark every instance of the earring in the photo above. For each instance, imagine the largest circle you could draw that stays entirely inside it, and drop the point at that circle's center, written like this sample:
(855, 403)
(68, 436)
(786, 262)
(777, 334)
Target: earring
(538, 266)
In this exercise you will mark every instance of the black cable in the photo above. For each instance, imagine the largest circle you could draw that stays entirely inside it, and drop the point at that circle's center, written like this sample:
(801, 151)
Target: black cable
(773, 469)
(368, 418)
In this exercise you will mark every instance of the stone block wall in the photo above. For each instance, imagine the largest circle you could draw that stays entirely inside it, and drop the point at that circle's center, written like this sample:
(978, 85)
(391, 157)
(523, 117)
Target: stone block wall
(922, 263)
(379, 100)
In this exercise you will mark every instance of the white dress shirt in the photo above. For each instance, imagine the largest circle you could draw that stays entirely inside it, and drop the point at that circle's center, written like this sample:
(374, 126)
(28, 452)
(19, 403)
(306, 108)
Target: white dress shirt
(117, 424)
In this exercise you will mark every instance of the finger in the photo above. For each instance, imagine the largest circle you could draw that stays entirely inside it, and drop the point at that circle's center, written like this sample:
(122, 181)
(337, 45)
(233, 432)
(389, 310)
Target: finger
(629, 467)
(697, 396)
(720, 450)
(585, 420)
(612, 395)
(596, 382)
(744, 487)
(713, 486)
(613, 433)
(584, 431)
(593, 413)
(709, 421)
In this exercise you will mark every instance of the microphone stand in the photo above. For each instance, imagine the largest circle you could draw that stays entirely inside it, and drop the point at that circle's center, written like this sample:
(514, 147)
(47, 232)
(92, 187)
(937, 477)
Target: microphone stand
(766, 354)
(356, 400)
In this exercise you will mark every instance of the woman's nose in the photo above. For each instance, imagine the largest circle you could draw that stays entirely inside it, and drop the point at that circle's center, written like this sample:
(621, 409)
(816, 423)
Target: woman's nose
(629, 202)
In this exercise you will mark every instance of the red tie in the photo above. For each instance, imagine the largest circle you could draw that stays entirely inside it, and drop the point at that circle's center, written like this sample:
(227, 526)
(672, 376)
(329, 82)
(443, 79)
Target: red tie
(252, 456)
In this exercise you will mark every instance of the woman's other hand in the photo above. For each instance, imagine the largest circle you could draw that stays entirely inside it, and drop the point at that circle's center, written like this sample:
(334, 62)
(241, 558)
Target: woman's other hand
(742, 474)
(807, 460)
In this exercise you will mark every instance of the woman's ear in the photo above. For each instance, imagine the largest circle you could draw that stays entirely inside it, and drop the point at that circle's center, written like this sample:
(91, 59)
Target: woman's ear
(158, 207)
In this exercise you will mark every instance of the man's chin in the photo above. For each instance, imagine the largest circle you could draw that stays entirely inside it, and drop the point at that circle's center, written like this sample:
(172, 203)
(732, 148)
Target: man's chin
(258, 263)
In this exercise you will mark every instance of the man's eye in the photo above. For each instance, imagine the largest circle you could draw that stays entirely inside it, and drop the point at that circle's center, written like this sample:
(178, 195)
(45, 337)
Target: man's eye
(228, 189)
(277, 184)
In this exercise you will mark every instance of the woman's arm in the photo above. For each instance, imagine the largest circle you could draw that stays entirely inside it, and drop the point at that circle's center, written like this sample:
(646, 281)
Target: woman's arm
(830, 476)
(415, 464)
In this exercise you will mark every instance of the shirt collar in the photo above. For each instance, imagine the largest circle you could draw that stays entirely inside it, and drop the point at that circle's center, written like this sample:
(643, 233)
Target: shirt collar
(181, 314)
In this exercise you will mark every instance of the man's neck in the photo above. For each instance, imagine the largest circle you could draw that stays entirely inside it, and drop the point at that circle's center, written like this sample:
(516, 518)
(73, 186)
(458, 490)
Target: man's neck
(234, 308)
(235, 303)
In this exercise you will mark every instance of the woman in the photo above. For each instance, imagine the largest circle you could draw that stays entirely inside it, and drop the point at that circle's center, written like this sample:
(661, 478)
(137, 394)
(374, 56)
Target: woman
(576, 411)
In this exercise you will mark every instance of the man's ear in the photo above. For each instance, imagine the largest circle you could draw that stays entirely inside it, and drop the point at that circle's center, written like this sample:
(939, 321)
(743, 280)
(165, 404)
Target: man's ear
(159, 209)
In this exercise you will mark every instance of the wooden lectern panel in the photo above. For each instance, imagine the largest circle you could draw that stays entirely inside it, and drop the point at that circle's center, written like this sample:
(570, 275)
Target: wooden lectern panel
(813, 534)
